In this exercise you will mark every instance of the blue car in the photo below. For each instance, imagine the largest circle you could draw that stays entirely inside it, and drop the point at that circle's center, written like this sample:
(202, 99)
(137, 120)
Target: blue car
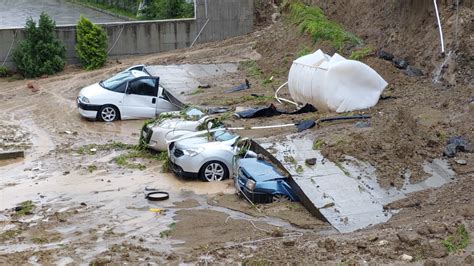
(261, 182)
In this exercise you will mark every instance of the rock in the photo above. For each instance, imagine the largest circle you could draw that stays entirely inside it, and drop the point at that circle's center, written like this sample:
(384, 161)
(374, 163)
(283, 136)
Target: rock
(413, 72)
(204, 86)
(33, 86)
(289, 243)
(373, 238)
(362, 124)
(361, 245)
(276, 17)
(311, 161)
(406, 257)
(66, 172)
(382, 243)
(409, 237)
(436, 228)
(455, 145)
(423, 230)
(435, 249)
(384, 55)
(400, 63)
(461, 162)
(328, 243)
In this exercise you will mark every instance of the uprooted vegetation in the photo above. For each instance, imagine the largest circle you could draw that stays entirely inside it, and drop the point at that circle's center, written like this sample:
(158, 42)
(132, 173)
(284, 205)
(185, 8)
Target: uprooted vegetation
(127, 159)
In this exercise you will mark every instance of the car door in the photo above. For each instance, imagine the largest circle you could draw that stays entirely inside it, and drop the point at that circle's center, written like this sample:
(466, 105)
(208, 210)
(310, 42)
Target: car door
(164, 104)
(140, 98)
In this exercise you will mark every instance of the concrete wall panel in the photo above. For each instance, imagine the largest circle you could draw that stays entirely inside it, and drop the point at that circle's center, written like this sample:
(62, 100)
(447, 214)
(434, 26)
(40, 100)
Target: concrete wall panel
(227, 18)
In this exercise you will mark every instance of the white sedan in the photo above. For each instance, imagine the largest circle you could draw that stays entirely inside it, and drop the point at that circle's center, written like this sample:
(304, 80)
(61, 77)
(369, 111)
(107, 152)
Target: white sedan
(131, 94)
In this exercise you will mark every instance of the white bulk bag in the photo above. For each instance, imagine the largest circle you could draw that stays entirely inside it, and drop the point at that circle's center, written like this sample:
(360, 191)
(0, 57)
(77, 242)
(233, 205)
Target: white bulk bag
(334, 83)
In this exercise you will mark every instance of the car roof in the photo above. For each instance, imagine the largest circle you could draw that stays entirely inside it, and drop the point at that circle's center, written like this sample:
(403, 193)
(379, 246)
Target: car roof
(260, 170)
(138, 73)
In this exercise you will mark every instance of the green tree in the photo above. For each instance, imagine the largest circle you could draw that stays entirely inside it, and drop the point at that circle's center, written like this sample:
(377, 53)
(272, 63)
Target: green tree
(168, 9)
(40, 52)
(91, 44)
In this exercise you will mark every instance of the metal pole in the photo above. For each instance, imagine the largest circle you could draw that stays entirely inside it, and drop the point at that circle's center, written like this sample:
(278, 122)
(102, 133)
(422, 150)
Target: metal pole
(439, 26)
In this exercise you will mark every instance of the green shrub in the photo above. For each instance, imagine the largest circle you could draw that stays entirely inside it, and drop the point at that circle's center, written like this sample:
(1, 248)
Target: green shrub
(91, 46)
(3, 72)
(167, 9)
(311, 20)
(40, 52)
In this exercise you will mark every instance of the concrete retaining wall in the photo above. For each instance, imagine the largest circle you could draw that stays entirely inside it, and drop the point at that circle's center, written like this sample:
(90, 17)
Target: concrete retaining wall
(227, 18)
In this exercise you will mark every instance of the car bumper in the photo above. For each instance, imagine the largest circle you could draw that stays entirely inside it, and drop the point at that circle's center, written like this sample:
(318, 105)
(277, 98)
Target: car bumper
(189, 164)
(88, 111)
(178, 171)
(255, 197)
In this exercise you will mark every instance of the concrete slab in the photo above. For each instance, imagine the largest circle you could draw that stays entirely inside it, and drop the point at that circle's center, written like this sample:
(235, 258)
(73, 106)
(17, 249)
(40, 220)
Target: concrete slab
(186, 78)
(346, 194)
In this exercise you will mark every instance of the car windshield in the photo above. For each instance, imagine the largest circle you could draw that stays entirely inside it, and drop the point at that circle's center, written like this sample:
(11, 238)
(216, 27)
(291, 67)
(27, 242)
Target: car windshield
(223, 135)
(116, 80)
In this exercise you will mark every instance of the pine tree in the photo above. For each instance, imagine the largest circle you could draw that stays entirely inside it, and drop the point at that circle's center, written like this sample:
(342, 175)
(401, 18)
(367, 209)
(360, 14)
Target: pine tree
(91, 44)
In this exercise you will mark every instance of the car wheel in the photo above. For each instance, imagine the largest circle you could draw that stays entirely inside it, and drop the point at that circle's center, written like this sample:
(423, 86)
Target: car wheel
(280, 198)
(108, 113)
(214, 171)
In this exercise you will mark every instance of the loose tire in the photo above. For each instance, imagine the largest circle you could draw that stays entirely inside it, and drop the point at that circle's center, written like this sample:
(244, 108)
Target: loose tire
(213, 171)
(108, 113)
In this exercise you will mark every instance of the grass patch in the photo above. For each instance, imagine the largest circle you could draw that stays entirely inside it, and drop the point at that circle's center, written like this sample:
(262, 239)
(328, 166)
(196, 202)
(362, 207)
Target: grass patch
(343, 169)
(304, 51)
(39, 240)
(299, 169)
(318, 144)
(124, 160)
(167, 233)
(457, 241)
(251, 68)
(196, 91)
(311, 20)
(93, 148)
(91, 168)
(111, 9)
(25, 208)
(289, 159)
(9, 234)
(361, 53)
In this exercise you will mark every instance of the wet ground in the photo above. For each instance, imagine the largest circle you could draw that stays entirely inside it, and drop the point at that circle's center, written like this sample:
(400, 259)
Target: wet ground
(13, 13)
